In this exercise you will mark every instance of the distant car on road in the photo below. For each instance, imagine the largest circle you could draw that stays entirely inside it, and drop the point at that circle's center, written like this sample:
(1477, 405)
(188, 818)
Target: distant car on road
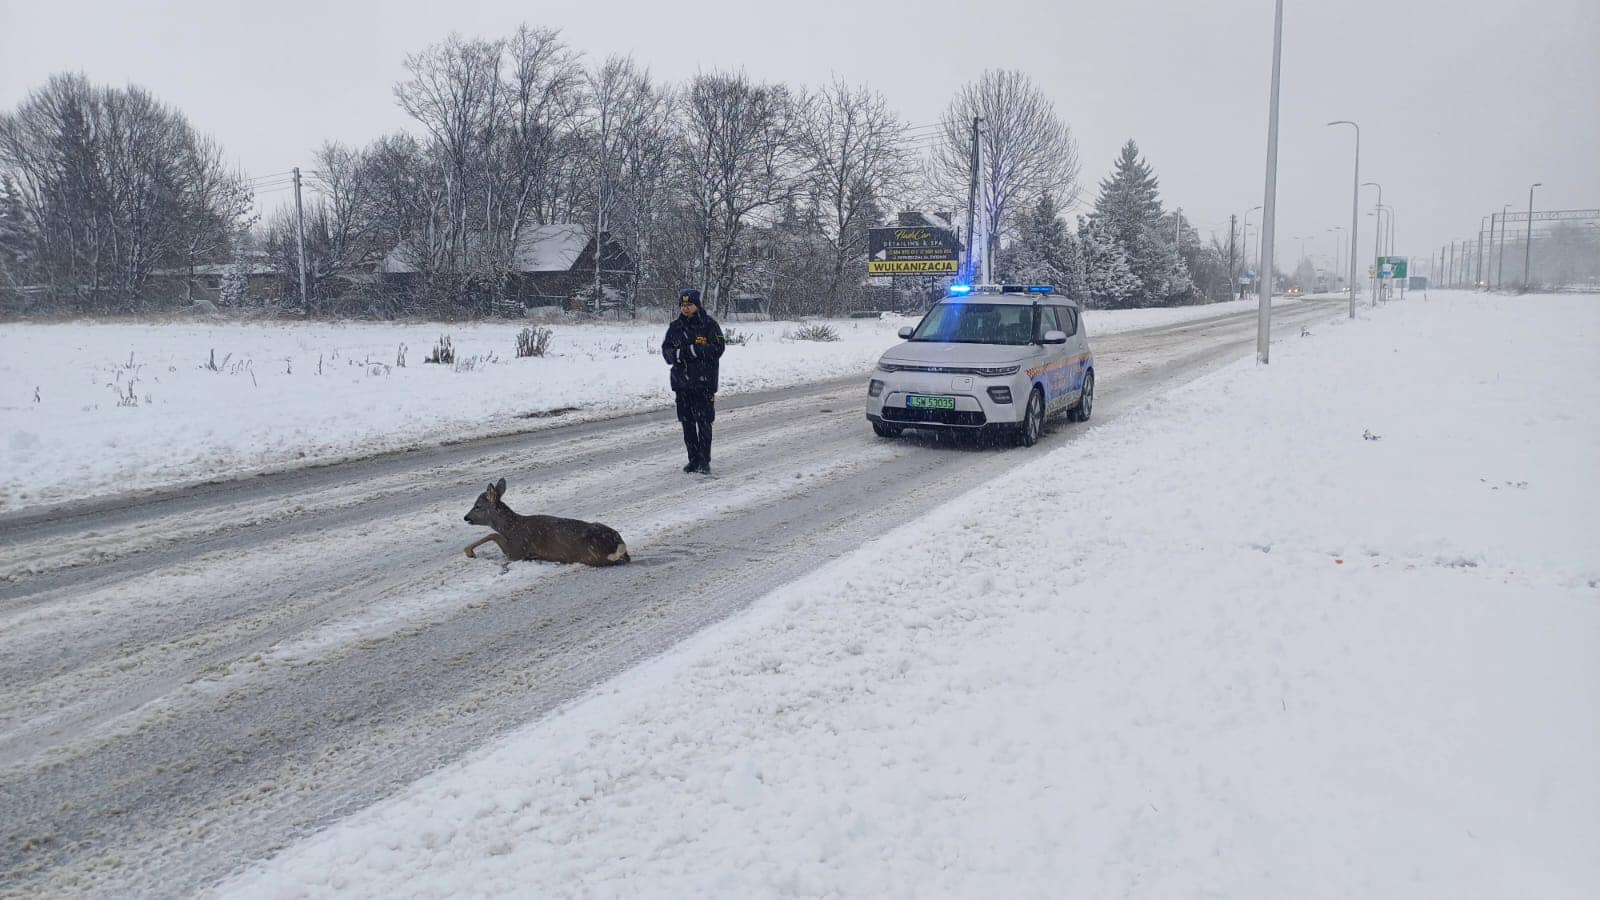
(988, 358)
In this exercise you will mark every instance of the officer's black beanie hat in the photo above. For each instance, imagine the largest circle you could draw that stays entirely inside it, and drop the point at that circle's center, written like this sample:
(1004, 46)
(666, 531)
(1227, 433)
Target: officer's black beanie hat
(689, 294)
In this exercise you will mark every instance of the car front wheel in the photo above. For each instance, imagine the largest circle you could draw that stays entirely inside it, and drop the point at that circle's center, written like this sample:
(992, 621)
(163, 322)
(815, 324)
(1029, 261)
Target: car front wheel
(1032, 420)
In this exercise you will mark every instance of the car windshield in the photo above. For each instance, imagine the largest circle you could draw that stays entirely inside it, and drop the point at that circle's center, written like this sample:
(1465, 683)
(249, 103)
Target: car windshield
(963, 322)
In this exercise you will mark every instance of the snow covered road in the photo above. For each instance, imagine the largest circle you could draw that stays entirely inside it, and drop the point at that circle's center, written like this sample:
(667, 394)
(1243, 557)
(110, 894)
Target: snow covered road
(196, 679)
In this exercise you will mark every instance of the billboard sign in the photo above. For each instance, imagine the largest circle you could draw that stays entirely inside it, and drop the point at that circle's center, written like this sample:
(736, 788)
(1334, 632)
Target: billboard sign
(913, 250)
(1392, 267)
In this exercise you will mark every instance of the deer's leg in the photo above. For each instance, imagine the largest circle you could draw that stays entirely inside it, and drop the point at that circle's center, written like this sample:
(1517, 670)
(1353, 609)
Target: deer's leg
(498, 540)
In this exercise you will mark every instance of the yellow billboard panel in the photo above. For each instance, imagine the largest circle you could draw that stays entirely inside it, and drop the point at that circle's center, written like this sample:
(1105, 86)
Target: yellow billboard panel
(913, 267)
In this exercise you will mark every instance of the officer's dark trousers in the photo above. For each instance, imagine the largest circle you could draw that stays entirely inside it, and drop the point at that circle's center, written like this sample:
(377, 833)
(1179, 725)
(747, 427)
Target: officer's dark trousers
(697, 410)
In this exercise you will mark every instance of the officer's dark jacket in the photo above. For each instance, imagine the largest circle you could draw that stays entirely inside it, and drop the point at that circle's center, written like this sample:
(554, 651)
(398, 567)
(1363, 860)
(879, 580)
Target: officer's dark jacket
(692, 348)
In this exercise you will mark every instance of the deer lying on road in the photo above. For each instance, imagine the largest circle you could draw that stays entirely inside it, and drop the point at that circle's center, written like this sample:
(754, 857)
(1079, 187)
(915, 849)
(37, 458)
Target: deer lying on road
(549, 538)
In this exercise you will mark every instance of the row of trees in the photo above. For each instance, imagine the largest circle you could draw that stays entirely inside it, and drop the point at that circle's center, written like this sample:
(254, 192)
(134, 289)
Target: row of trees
(101, 186)
(725, 183)
(690, 181)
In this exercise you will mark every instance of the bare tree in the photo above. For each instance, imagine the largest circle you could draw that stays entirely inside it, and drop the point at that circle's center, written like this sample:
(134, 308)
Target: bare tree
(544, 83)
(114, 185)
(736, 158)
(855, 151)
(622, 108)
(344, 209)
(403, 188)
(648, 173)
(1026, 150)
(452, 92)
(222, 203)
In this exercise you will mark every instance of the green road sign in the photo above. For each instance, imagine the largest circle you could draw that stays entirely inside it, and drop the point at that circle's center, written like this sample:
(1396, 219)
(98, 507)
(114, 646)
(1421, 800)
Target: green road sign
(1391, 267)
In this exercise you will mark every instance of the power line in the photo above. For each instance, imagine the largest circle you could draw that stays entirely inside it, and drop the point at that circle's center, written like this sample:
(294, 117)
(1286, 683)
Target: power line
(272, 177)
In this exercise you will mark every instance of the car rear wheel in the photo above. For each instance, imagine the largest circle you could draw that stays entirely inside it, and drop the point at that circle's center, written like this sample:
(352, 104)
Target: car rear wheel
(885, 431)
(1085, 407)
(1032, 420)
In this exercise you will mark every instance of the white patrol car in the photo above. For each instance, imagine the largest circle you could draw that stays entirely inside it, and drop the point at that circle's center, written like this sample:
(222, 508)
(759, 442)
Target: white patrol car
(986, 357)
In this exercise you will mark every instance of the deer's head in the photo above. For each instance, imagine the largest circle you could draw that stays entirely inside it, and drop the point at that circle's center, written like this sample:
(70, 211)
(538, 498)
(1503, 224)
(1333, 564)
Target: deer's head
(488, 502)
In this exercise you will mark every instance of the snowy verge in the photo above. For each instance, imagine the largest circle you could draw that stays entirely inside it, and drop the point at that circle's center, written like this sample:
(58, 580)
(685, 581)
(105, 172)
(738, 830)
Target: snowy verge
(1319, 629)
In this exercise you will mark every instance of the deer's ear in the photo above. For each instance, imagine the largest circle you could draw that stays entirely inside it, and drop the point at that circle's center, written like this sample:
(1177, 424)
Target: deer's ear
(500, 488)
(488, 491)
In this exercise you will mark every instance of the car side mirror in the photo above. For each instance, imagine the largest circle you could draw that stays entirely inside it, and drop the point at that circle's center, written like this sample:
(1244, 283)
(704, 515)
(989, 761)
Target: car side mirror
(905, 332)
(1055, 337)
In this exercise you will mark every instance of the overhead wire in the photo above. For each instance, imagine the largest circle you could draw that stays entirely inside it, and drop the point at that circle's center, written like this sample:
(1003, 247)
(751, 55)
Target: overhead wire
(272, 177)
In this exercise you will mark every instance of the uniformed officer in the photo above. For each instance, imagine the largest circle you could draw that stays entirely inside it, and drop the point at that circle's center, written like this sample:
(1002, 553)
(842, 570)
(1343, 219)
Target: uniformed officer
(692, 347)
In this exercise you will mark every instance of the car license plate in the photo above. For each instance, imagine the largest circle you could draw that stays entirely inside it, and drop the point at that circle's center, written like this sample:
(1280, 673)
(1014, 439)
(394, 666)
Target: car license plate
(915, 401)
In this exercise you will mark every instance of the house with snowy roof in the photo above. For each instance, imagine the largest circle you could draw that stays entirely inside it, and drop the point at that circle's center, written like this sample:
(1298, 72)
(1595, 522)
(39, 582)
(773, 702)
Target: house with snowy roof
(551, 265)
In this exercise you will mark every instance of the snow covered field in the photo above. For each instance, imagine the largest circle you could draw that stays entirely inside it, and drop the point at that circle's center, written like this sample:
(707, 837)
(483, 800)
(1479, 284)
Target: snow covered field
(213, 400)
(1326, 628)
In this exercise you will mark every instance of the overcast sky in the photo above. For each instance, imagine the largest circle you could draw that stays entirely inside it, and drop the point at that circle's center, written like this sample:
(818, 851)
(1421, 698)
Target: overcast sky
(1462, 103)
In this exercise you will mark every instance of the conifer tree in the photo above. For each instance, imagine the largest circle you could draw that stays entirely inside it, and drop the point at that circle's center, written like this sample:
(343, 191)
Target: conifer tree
(1129, 197)
(1128, 212)
(1108, 280)
(1045, 251)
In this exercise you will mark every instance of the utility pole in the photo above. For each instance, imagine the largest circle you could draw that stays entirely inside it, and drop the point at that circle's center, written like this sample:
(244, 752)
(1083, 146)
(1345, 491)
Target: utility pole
(1268, 215)
(1527, 248)
(1244, 243)
(1232, 277)
(1450, 273)
(972, 200)
(300, 234)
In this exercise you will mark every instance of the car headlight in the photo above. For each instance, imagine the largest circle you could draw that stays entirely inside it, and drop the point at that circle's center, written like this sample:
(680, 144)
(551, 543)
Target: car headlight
(874, 388)
(997, 371)
(1000, 394)
(888, 367)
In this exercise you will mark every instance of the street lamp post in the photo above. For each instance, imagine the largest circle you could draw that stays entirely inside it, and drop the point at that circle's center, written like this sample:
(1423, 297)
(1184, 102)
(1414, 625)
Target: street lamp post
(1488, 265)
(1270, 201)
(1500, 261)
(1377, 248)
(1338, 248)
(1355, 205)
(1377, 268)
(1527, 248)
(1394, 227)
(1477, 277)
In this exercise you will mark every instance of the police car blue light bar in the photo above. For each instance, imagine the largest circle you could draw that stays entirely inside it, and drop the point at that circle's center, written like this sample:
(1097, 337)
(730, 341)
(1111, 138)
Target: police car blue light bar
(1001, 289)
